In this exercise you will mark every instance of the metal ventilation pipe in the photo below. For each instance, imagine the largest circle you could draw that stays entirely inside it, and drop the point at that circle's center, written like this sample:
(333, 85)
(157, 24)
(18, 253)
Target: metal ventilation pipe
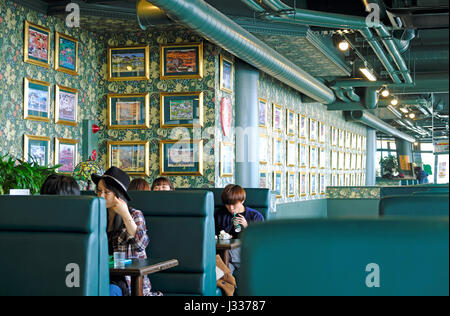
(219, 29)
(150, 15)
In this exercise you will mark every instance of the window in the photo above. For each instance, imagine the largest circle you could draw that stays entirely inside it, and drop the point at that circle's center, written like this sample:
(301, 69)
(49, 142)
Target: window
(427, 147)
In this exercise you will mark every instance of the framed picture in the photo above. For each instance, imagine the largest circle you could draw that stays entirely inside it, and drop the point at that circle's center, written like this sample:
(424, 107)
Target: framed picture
(359, 161)
(363, 162)
(183, 157)
(341, 182)
(291, 184)
(322, 158)
(334, 180)
(36, 149)
(322, 133)
(334, 160)
(262, 113)
(66, 105)
(322, 184)
(277, 113)
(353, 162)
(290, 122)
(354, 140)
(181, 109)
(303, 184)
(313, 184)
(277, 144)
(130, 156)
(127, 111)
(66, 54)
(66, 154)
(341, 134)
(226, 113)
(290, 154)
(303, 154)
(313, 153)
(348, 140)
(363, 179)
(302, 127)
(226, 74)
(263, 180)
(364, 143)
(359, 146)
(129, 63)
(347, 182)
(37, 45)
(226, 159)
(347, 161)
(312, 130)
(263, 149)
(341, 160)
(36, 100)
(352, 180)
(358, 179)
(182, 61)
(334, 136)
(278, 184)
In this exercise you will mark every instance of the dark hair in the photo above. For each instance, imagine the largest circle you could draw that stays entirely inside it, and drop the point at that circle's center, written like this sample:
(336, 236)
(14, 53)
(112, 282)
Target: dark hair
(111, 185)
(139, 184)
(163, 181)
(232, 194)
(57, 184)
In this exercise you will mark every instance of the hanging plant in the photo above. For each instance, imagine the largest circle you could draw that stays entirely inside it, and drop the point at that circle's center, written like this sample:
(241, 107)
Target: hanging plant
(389, 165)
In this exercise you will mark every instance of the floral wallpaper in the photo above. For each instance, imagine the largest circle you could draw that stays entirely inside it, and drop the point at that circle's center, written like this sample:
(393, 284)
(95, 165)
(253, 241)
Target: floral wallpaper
(13, 70)
(345, 193)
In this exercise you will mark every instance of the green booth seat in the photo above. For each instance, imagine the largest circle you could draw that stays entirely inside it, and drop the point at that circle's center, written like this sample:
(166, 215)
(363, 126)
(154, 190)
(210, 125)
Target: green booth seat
(48, 243)
(262, 200)
(346, 257)
(415, 205)
(181, 226)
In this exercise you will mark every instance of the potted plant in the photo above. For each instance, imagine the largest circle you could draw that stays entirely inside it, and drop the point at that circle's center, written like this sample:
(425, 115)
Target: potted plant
(389, 166)
(19, 174)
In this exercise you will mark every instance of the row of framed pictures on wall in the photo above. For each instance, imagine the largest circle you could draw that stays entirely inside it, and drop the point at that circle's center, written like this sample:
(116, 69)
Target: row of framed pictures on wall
(298, 154)
(37, 102)
(309, 128)
(309, 184)
(37, 49)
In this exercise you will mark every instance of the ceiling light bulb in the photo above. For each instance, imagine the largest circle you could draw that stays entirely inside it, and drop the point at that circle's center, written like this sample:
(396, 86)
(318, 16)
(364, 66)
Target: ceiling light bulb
(344, 46)
(385, 93)
(394, 102)
(404, 110)
(369, 75)
(412, 115)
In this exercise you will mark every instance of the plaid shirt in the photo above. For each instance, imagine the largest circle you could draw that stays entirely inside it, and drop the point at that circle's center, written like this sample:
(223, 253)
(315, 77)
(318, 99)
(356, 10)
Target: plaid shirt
(134, 246)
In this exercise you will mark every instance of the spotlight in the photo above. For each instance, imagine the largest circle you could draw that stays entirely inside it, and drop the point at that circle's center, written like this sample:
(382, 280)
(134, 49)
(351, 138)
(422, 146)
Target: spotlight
(385, 92)
(412, 116)
(404, 110)
(369, 74)
(344, 46)
(394, 102)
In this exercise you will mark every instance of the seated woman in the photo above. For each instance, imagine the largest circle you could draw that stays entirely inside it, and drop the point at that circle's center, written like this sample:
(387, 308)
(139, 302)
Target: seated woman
(163, 184)
(126, 230)
(139, 184)
(57, 184)
(235, 217)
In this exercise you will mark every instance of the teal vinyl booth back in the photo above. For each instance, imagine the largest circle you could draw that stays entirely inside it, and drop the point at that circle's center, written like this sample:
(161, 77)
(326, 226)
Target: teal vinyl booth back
(330, 257)
(415, 205)
(180, 226)
(257, 199)
(41, 235)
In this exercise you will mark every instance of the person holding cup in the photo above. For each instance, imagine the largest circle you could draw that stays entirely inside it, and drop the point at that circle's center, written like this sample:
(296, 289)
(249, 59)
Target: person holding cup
(126, 230)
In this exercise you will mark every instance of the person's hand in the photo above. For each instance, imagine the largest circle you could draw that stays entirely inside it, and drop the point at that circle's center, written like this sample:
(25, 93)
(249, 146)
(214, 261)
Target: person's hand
(241, 220)
(120, 207)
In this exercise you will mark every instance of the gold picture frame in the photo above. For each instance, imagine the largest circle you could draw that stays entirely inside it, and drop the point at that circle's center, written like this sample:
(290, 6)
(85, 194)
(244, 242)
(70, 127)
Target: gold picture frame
(35, 92)
(176, 165)
(34, 54)
(290, 184)
(313, 130)
(226, 159)
(263, 111)
(128, 108)
(135, 162)
(313, 184)
(66, 105)
(278, 176)
(120, 65)
(277, 151)
(69, 62)
(179, 56)
(291, 158)
(277, 118)
(226, 74)
(303, 184)
(313, 157)
(68, 156)
(290, 122)
(183, 117)
(40, 150)
(263, 149)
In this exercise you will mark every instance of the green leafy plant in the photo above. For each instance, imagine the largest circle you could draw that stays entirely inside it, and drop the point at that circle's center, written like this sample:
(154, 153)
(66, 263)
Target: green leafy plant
(389, 165)
(19, 174)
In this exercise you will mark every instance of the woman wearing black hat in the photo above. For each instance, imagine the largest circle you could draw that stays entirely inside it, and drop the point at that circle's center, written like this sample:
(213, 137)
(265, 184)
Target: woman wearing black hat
(126, 230)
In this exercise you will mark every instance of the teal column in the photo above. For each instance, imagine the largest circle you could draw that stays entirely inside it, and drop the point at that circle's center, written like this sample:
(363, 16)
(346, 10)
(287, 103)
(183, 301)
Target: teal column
(247, 127)
(371, 157)
(404, 156)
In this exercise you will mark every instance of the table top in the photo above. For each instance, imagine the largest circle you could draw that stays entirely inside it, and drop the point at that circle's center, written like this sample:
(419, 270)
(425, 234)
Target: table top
(141, 267)
(227, 244)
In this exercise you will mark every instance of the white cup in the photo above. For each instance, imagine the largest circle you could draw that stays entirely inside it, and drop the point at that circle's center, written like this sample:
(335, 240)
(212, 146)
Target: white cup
(119, 260)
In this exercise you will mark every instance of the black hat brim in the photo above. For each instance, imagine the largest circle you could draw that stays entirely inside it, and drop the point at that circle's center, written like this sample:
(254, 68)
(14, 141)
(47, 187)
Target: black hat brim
(117, 184)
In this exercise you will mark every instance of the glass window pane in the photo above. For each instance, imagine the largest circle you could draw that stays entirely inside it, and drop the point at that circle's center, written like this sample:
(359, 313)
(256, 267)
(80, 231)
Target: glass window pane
(378, 144)
(385, 144)
(442, 172)
(427, 147)
(393, 146)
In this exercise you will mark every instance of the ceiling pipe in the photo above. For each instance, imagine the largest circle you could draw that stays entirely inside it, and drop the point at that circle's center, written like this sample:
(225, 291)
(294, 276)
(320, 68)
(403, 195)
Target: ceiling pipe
(150, 15)
(340, 21)
(340, 95)
(376, 123)
(352, 95)
(371, 98)
(221, 30)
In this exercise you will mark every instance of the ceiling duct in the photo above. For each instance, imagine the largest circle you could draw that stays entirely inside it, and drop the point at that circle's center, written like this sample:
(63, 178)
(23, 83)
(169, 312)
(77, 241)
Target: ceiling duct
(150, 15)
(219, 29)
